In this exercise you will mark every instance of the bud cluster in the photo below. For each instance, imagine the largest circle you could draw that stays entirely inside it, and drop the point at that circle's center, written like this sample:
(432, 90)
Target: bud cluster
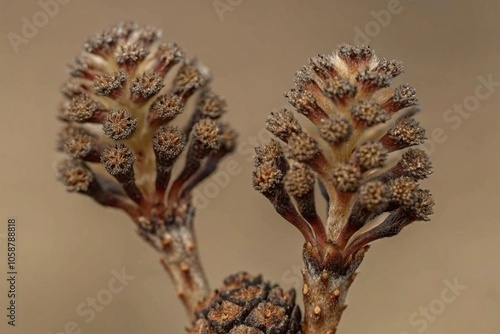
(361, 122)
(118, 113)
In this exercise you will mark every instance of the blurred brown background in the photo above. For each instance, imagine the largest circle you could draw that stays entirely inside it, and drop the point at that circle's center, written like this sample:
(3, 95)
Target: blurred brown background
(68, 245)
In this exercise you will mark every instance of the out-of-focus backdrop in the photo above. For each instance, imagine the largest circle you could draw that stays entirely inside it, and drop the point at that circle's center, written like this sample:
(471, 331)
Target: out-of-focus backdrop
(69, 247)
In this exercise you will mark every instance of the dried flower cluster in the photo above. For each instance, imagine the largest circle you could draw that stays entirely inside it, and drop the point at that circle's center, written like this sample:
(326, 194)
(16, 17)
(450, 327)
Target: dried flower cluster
(127, 89)
(361, 125)
(121, 145)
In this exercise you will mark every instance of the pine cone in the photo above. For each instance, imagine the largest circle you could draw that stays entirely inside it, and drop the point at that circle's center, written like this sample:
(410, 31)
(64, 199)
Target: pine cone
(246, 304)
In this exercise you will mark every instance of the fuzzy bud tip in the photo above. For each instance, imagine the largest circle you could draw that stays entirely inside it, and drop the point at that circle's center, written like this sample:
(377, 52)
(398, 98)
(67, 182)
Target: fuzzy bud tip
(266, 177)
(167, 106)
(106, 84)
(282, 123)
(374, 196)
(119, 124)
(416, 164)
(369, 113)
(404, 191)
(370, 155)
(119, 161)
(299, 180)
(336, 129)
(74, 175)
(346, 177)
(146, 85)
(302, 147)
(168, 144)
(207, 132)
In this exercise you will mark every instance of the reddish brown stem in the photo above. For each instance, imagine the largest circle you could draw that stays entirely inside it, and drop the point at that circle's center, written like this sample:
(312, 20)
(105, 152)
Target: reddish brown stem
(326, 282)
(181, 260)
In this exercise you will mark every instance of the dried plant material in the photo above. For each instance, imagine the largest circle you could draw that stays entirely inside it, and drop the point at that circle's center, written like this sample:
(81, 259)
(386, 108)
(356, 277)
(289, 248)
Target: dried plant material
(119, 82)
(336, 129)
(119, 124)
(109, 84)
(344, 95)
(116, 110)
(248, 305)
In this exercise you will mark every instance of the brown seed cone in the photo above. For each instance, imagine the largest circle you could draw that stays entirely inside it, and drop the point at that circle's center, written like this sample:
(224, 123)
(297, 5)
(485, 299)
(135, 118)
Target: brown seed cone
(246, 304)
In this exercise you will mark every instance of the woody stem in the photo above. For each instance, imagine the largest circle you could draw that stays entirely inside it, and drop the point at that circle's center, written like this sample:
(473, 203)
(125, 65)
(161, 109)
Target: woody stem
(174, 238)
(326, 282)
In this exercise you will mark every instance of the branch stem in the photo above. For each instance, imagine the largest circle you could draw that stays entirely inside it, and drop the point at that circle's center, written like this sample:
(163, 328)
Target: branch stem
(174, 238)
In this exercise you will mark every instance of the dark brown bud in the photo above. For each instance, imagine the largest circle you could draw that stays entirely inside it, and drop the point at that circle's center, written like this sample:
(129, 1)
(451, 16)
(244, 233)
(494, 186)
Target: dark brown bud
(371, 81)
(166, 107)
(355, 54)
(404, 191)
(404, 96)
(369, 113)
(119, 161)
(119, 124)
(389, 68)
(102, 43)
(271, 153)
(423, 206)
(69, 134)
(75, 175)
(81, 108)
(266, 177)
(65, 134)
(109, 84)
(370, 155)
(130, 54)
(299, 179)
(374, 196)
(191, 76)
(146, 85)
(207, 133)
(346, 177)
(405, 133)
(340, 90)
(302, 147)
(306, 104)
(415, 163)
(167, 55)
(322, 65)
(282, 123)
(336, 129)
(168, 144)
(211, 105)
(302, 78)
(82, 145)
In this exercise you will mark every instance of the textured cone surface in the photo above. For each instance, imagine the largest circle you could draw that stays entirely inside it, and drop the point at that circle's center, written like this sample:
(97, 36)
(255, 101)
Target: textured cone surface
(246, 304)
